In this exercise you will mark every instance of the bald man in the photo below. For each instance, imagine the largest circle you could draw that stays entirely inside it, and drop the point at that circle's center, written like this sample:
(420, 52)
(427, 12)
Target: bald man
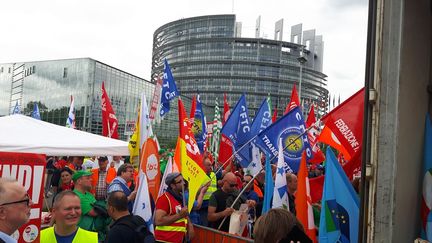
(221, 201)
(14, 208)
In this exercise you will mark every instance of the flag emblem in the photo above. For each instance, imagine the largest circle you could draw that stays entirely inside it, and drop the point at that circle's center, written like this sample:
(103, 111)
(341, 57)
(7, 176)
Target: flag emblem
(293, 144)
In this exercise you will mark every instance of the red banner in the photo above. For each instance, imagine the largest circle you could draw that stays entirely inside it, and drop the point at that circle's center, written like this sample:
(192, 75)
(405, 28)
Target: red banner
(29, 170)
(109, 119)
(155, 100)
(346, 122)
(294, 101)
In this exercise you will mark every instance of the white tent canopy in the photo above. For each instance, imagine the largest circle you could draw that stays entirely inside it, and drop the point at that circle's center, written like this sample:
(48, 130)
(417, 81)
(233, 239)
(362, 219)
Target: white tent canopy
(19, 133)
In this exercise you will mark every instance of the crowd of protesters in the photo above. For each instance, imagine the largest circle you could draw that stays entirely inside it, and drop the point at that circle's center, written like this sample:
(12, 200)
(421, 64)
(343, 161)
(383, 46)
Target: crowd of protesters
(92, 199)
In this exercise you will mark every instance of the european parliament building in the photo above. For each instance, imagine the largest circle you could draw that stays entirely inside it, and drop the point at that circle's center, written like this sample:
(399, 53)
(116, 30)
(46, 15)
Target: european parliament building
(208, 56)
(50, 84)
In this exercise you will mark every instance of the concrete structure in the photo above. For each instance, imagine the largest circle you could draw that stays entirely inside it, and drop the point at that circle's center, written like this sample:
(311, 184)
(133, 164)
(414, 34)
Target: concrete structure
(208, 57)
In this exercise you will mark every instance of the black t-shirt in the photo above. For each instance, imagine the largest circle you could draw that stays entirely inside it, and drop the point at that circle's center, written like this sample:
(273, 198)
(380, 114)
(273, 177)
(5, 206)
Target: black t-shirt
(222, 200)
(122, 233)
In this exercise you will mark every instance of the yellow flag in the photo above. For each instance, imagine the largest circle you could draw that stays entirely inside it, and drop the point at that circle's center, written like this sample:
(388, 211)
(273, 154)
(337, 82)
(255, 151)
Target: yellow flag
(134, 143)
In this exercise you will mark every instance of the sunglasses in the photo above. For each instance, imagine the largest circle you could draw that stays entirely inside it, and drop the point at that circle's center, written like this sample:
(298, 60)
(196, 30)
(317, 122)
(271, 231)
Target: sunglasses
(233, 185)
(27, 201)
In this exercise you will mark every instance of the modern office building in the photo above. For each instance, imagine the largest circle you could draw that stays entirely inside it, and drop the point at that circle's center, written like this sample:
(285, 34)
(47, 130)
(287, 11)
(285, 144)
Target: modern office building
(208, 56)
(51, 84)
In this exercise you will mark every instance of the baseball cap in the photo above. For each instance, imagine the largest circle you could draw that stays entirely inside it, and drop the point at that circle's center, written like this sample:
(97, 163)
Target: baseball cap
(79, 174)
(170, 177)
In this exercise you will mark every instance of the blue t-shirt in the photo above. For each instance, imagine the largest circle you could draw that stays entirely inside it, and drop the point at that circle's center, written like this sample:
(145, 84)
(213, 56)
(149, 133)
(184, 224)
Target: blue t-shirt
(65, 239)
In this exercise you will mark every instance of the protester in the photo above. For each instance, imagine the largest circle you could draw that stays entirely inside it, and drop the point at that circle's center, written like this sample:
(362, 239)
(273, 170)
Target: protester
(14, 208)
(116, 162)
(125, 174)
(66, 183)
(126, 227)
(292, 188)
(203, 211)
(220, 204)
(66, 214)
(101, 178)
(171, 217)
(279, 225)
(77, 163)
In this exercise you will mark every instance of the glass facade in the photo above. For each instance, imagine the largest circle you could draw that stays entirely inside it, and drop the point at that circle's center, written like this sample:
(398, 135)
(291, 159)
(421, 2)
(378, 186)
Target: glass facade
(51, 83)
(206, 58)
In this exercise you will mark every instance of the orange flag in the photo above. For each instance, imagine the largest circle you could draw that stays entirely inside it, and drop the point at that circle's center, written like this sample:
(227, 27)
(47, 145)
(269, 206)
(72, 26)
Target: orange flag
(150, 165)
(303, 201)
(328, 137)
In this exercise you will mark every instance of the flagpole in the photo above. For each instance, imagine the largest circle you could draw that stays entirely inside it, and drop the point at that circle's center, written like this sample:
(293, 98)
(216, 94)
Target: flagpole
(253, 178)
(241, 193)
(274, 156)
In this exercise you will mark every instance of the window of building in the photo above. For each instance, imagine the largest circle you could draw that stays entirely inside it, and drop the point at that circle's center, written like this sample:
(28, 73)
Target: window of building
(9, 71)
(1, 69)
(65, 72)
(33, 69)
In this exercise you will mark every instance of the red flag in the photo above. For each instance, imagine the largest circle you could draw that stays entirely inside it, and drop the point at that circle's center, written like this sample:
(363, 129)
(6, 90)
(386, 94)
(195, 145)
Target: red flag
(193, 109)
(274, 117)
(317, 154)
(226, 110)
(303, 201)
(294, 101)
(346, 122)
(156, 99)
(109, 120)
(351, 168)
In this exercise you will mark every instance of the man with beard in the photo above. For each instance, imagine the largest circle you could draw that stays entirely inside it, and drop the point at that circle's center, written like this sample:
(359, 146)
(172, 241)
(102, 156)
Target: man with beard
(171, 217)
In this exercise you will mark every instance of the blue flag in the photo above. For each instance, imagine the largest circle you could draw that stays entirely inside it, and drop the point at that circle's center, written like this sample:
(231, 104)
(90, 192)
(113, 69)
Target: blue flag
(340, 205)
(289, 127)
(35, 113)
(261, 121)
(199, 128)
(234, 130)
(169, 89)
(243, 135)
(16, 109)
(268, 186)
(426, 205)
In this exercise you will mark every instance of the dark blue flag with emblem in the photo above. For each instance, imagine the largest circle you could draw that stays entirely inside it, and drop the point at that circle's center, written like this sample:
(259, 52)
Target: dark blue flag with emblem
(291, 128)
(340, 205)
(169, 89)
(199, 128)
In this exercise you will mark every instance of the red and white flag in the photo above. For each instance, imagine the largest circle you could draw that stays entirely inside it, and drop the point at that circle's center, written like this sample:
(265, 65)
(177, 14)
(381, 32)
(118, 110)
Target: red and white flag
(226, 112)
(109, 119)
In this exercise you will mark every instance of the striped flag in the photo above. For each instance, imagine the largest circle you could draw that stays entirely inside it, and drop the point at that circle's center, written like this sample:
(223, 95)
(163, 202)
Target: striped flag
(217, 126)
(70, 122)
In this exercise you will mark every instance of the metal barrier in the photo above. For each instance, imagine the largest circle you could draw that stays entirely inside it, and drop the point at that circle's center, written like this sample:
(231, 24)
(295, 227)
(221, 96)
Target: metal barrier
(209, 235)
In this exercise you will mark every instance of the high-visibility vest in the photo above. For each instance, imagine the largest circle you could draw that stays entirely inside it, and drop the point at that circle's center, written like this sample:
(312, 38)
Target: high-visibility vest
(213, 186)
(177, 230)
(47, 235)
(111, 174)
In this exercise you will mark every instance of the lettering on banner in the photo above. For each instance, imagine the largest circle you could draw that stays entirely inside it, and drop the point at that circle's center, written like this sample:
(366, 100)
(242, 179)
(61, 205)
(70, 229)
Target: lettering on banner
(244, 121)
(348, 134)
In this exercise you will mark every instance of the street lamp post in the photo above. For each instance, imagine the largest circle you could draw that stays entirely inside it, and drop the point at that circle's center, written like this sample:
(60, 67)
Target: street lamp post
(301, 59)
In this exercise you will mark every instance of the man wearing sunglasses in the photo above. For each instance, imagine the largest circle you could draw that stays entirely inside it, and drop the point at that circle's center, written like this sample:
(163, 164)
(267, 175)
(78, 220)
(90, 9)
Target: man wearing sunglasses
(221, 201)
(14, 208)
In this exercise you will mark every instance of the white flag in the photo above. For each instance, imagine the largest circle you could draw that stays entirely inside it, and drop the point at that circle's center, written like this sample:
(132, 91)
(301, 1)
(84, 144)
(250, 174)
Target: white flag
(280, 193)
(142, 206)
(255, 166)
(70, 122)
(168, 170)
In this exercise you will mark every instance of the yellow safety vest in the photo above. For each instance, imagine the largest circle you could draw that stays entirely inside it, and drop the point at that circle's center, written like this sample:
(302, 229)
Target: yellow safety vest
(48, 236)
(213, 186)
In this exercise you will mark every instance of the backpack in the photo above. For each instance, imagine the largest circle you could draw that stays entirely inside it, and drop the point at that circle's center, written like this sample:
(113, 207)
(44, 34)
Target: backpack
(138, 225)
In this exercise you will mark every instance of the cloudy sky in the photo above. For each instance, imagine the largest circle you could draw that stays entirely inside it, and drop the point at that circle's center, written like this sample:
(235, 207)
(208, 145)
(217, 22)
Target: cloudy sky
(120, 33)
